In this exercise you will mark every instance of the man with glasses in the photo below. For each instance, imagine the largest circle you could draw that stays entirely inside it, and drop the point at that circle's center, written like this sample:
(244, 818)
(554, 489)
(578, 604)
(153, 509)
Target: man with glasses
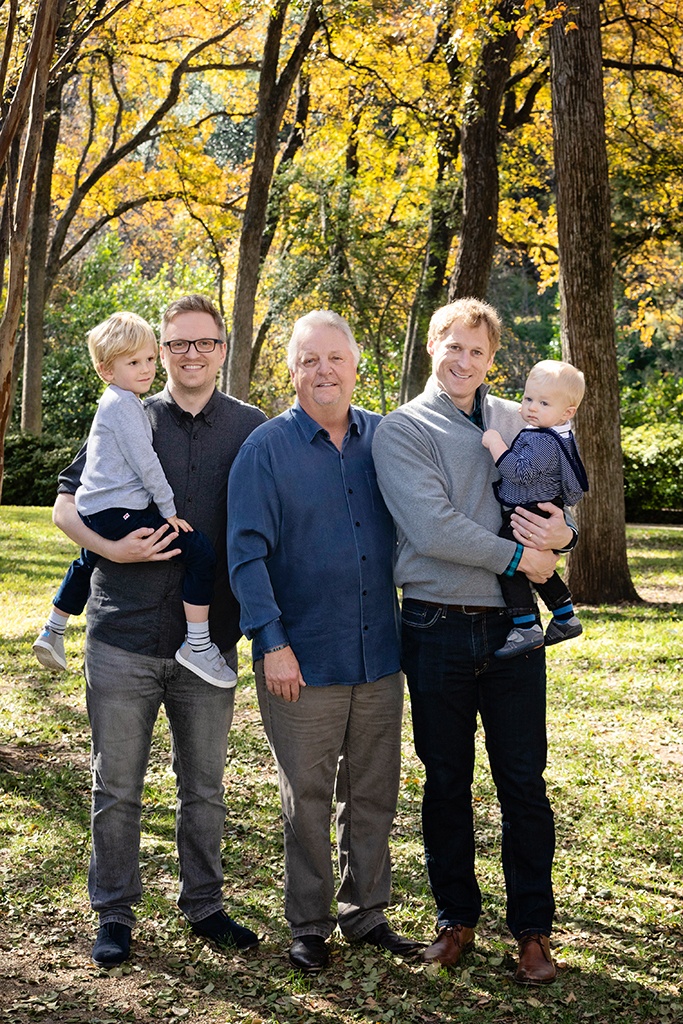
(135, 623)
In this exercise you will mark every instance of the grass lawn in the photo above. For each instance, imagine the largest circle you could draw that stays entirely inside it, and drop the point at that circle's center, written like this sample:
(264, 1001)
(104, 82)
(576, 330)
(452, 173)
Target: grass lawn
(615, 778)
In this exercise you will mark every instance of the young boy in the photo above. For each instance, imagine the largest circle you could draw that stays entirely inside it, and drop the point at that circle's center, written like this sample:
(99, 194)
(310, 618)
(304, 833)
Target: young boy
(124, 488)
(542, 464)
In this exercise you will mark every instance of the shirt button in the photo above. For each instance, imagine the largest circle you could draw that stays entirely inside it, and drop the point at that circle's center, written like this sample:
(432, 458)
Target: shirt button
(365, 628)
(357, 523)
(350, 490)
(363, 558)
(365, 593)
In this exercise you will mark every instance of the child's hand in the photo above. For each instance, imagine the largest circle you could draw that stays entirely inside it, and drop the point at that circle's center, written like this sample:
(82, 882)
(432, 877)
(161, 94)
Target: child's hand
(179, 524)
(492, 440)
(490, 437)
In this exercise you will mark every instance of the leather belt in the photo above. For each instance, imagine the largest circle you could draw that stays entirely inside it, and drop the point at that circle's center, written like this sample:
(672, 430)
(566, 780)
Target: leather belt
(467, 609)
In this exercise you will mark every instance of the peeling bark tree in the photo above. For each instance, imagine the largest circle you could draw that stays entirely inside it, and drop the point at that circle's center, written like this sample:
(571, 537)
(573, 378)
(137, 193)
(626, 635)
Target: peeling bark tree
(598, 570)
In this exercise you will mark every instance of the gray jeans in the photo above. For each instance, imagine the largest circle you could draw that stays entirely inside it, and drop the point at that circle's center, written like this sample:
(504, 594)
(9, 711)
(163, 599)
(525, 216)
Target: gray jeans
(124, 694)
(339, 743)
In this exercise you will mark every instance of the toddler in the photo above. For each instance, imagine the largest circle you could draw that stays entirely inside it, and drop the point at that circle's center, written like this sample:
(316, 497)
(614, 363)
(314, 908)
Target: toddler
(124, 488)
(542, 464)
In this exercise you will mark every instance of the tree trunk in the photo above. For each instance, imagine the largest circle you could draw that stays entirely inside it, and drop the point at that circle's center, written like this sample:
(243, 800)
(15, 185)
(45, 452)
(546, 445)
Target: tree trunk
(479, 147)
(274, 93)
(430, 290)
(598, 570)
(34, 335)
(18, 195)
(431, 286)
(477, 142)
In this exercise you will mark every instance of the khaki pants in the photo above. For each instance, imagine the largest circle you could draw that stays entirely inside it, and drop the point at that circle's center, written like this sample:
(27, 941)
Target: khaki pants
(340, 743)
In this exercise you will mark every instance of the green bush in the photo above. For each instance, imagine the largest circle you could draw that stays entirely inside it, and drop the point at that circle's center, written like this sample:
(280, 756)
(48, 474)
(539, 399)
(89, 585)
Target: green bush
(653, 472)
(32, 465)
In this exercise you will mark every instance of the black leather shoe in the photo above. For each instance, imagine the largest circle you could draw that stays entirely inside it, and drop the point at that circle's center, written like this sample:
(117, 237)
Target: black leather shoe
(383, 937)
(225, 932)
(309, 953)
(112, 945)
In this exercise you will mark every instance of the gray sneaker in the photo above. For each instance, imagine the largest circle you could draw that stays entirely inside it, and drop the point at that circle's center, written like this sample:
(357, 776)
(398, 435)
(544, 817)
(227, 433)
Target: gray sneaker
(521, 641)
(209, 665)
(558, 631)
(49, 650)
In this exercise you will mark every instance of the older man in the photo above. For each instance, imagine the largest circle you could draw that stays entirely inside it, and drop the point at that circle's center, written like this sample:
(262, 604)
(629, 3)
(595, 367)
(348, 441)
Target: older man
(437, 480)
(311, 545)
(135, 625)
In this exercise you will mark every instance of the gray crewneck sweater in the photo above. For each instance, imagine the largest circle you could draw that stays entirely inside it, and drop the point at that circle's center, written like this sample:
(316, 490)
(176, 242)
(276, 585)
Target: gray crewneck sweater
(436, 478)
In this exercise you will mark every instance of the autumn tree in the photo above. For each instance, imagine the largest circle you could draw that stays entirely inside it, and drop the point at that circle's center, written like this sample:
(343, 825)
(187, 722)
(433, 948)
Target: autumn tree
(598, 570)
(275, 87)
(126, 90)
(480, 143)
(19, 148)
(442, 215)
(478, 112)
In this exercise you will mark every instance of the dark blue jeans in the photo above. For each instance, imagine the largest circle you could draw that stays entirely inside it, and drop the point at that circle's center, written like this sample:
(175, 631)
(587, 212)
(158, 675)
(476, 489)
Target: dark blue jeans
(453, 676)
(113, 523)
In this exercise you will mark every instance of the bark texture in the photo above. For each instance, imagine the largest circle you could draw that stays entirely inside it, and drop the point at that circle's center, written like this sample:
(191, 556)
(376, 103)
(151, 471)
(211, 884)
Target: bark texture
(274, 93)
(479, 147)
(18, 202)
(598, 570)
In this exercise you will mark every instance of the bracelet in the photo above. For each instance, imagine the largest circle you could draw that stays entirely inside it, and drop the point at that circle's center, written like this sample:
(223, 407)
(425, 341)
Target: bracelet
(280, 647)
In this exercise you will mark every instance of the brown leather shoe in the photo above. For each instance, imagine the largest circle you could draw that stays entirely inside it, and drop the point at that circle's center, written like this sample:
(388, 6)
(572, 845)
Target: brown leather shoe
(536, 965)
(450, 945)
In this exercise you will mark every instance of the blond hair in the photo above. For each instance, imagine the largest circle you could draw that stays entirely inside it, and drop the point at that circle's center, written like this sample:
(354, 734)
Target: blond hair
(562, 377)
(471, 313)
(121, 334)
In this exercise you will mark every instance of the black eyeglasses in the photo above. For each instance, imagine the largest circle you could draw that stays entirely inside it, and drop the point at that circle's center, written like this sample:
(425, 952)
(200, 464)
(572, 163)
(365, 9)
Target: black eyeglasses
(178, 347)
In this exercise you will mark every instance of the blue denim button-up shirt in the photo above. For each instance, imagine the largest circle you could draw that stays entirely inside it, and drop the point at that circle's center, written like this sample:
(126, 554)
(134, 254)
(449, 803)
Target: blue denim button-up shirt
(311, 547)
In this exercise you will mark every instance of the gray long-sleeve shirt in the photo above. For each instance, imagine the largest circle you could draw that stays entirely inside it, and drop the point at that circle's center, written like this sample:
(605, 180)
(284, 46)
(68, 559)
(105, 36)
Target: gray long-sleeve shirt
(122, 470)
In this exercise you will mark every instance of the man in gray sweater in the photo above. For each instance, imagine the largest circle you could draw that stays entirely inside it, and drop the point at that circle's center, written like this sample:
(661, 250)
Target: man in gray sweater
(437, 480)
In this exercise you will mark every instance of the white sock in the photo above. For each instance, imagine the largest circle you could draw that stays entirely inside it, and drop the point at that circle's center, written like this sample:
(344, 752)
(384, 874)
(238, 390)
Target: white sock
(198, 636)
(56, 623)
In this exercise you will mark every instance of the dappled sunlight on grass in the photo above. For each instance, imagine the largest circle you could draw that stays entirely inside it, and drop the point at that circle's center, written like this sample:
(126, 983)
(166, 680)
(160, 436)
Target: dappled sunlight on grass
(615, 777)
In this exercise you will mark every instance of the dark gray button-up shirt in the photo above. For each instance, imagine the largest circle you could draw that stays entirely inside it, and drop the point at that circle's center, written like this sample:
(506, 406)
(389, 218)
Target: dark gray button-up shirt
(138, 606)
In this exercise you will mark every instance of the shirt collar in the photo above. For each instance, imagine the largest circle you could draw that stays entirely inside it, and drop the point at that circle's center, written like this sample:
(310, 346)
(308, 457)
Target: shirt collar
(311, 428)
(435, 390)
(208, 412)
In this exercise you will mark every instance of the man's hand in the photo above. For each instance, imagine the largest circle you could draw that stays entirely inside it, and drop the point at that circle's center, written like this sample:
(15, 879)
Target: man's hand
(283, 675)
(143, 545)
(537, 565)
(534, 531)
